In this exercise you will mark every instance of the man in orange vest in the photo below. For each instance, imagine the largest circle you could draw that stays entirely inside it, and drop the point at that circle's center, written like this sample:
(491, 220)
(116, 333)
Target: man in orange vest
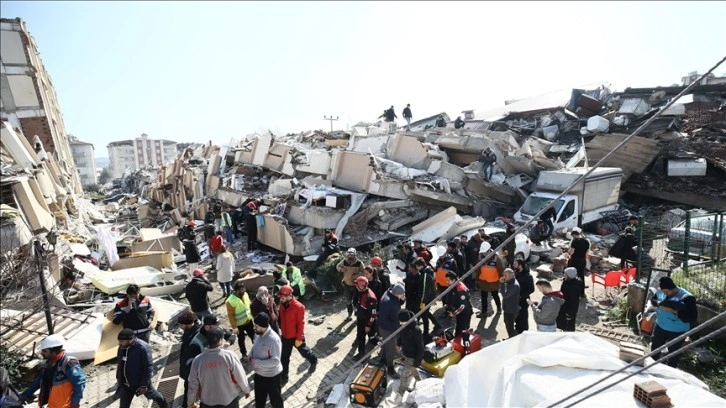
(488, 279)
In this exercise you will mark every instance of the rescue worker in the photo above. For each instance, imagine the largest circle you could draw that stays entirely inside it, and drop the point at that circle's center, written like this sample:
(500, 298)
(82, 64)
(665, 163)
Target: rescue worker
(444, 264)
(196, 293)
(459, 306)
(217, 377)
(292, 329)
(488, 279)
(377, 287)
(294, 276)
(351, 268)
(265, 360)
(190, 325)
(61, 380)
(676, 312)
(578, 251)
(382, 272)
(366, 314)
(135, 312)
(134, 371)
(240, 315)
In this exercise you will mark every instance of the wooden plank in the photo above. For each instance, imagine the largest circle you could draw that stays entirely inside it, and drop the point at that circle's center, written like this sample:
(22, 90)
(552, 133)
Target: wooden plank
(633, 158)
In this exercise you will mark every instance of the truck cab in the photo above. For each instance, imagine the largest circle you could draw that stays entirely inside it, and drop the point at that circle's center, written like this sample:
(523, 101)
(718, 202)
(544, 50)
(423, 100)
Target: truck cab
(566, 209)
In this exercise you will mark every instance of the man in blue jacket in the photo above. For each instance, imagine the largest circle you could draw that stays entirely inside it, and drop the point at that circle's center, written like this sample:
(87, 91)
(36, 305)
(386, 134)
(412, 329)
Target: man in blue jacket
(135, 370)
(61, 380)
(676, 311)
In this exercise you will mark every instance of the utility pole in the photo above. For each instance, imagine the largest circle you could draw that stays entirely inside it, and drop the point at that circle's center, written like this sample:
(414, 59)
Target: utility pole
(331, 119)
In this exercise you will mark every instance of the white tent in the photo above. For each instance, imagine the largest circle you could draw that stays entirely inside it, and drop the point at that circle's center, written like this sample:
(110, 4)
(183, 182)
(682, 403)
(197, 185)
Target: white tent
(538, 369)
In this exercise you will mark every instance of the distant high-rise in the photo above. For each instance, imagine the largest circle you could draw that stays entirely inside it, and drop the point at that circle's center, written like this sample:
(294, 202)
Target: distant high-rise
(28, 99)
(138, 153)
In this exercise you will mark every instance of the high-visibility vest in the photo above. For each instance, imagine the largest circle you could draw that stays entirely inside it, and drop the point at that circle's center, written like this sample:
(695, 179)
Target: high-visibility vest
(242, 313)
(441, 278)
(489, 272)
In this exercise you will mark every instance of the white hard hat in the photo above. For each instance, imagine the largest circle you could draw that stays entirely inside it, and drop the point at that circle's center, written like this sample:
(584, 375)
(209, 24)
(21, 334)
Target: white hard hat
(440, 250)
(351, 251)
(54, 340)
(485, 247)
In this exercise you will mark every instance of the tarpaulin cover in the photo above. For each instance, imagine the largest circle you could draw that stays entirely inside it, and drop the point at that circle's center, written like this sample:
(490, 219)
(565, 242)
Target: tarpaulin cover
(538, 369)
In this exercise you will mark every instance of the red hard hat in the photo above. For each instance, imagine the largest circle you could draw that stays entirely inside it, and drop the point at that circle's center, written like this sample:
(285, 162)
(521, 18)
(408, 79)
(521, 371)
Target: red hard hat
(376, 261)
(285, 290)
(361, 280)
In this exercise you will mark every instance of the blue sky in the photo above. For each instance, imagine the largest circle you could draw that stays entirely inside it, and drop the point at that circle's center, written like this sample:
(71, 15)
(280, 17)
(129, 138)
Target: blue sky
(201, 71)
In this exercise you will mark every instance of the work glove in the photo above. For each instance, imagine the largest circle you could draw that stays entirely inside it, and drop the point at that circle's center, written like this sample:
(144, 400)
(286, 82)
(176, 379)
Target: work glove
(298, 343)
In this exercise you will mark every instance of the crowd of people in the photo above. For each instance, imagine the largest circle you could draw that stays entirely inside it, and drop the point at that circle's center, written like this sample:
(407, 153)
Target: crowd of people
(274, 318)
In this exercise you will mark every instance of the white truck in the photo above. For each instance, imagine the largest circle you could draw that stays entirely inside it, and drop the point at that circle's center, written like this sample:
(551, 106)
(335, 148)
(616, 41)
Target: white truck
(583, 205)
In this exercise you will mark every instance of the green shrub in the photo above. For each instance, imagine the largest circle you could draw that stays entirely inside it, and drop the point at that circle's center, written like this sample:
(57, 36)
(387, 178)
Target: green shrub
(12, 360)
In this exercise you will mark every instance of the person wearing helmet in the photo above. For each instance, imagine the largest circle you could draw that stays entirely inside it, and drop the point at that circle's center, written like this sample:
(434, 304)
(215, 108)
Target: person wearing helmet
(488, 279)
(135, 312)
(351, 267)
(61, 380)
(381, 273)
(292, 331)
(366, 314)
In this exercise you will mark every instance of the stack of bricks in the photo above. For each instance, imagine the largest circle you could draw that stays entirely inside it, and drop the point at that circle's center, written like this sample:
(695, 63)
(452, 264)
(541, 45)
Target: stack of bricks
(652, 394)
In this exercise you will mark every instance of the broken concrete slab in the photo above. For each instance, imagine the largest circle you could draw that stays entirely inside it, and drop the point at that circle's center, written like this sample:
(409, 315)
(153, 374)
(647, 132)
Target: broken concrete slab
(276, 234)
(441, 199)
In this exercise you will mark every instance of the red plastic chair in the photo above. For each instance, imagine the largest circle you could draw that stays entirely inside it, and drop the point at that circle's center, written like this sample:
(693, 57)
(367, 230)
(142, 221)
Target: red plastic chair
(628, 276)
(611, 279)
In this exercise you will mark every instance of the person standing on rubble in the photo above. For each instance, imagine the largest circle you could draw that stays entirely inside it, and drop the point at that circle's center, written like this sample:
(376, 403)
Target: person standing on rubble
(488, 279)
(237, 220)
(389, 114)
(240, 315)
(488, 159)
(134, 372)
(292, 332)
(251, 226)
(407, 115)
(351, 267)
(330, 247)
(189, 323)
(217, 378)
(188, 237)
(526, 288)
(566, 318)
(135, 313)
(61, 380)
(196, 292)
(548, 217)
(459, 123)
(227, 226)
(217, 208)
(578, 251)
(366, 314)
(209, 225)
(263, 302)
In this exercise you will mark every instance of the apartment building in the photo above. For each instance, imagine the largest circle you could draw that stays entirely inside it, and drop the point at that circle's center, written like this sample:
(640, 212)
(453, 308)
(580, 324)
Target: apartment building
(28, 100)
(139, 153)
(84, 156)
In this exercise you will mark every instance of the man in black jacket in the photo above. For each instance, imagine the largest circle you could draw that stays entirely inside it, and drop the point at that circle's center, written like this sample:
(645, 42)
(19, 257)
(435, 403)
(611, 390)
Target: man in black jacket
(526, 288)
(578, 251)
(189, 323)
(453, 249)
(135, 312)
(135, 370)
(440, 122)
(428, 294)
(196, 293)
(571, 288)
(407, 115)
(188, 237)
(458, 305)
(459, 123)
(410, 344)
(330, 246)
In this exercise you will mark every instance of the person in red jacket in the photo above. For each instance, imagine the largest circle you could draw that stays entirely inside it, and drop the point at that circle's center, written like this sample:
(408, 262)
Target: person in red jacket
(292, 328)
(366, 313)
